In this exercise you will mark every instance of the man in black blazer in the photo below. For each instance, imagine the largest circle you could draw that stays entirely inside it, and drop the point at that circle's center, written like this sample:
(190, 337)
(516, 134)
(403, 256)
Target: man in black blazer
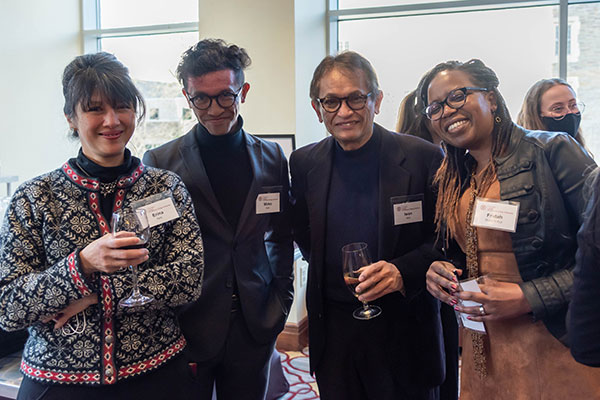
(366, 184)
(239, 185)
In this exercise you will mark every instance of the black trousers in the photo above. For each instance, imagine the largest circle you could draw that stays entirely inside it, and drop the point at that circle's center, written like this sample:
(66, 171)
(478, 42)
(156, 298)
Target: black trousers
(240, 370)
(356, 363)
(168, 382)
(449, 389)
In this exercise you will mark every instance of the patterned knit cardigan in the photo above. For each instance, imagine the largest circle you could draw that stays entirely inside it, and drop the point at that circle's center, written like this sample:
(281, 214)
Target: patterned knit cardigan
(49, 220)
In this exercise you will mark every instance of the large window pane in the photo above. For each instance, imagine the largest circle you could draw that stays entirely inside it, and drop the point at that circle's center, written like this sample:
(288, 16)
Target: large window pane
(122, 13)
(583, 71)
(152, 62)
(402, 49)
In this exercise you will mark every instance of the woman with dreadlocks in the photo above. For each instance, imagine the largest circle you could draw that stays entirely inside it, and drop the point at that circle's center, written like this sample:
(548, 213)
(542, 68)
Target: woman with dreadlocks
(512, 201)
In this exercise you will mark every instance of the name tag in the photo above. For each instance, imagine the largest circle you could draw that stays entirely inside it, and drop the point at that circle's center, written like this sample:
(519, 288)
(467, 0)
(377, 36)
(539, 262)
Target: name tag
(267, 203)
(161, 211)
(408, 212)
(494, 214)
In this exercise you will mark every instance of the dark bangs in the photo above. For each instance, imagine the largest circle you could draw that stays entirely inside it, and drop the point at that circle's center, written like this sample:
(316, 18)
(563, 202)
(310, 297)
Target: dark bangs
(101, 74)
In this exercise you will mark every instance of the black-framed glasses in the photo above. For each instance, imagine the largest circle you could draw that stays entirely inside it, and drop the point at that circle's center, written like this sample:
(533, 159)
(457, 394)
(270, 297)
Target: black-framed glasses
(355, 101)
(455, 99)
(559, 112)
(202, 101)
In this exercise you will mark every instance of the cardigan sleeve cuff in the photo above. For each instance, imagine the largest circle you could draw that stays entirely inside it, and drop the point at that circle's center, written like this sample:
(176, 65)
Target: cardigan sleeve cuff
(83, 284)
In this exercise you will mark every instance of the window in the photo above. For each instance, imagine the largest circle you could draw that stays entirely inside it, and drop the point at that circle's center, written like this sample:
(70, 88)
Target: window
(148, 36)
(518, 39)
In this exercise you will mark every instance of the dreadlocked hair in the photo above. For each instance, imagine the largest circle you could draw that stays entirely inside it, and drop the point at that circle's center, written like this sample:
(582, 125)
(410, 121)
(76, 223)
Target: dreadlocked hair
(451, 177)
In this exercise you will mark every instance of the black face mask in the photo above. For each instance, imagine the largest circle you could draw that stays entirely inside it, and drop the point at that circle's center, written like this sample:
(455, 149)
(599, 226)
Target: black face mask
(570, 124)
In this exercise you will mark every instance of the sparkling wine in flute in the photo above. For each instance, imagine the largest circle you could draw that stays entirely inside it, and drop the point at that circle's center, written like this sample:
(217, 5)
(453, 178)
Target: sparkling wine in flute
(355, 256)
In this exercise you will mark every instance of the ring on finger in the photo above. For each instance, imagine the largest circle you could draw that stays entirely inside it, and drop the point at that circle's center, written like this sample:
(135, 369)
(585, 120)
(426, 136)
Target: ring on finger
(481, 310)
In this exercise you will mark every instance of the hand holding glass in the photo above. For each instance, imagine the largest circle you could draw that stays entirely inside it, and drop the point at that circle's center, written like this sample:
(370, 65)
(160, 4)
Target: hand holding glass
(135, 222)
(354, 257)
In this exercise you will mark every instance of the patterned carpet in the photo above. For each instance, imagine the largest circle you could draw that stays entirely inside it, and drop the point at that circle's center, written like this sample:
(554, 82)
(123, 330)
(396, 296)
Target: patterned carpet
(295, 368)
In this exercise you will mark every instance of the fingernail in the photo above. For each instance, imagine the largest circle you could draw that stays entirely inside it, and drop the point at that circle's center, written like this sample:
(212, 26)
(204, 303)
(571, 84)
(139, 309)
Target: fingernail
(454, 302)
(456, 308)
(454, 287)
(469, 318)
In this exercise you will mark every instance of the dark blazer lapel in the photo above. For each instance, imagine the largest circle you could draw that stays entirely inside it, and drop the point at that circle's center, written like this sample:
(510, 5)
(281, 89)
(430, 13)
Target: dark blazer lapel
(190, 154)
(255, 155)
(318, 179)
(394, 180)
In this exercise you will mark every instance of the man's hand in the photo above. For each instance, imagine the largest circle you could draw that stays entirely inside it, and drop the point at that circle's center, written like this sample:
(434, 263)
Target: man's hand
(377, 280)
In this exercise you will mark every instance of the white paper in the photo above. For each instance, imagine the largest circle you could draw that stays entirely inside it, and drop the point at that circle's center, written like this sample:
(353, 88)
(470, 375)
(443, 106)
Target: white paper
(499, 215)
(161, 211)
(408, 212)
(267, 203)
(471, 286)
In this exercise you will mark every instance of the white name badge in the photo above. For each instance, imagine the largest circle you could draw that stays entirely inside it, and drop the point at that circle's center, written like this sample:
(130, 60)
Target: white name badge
(267, 203)
(161, 211)
(408, 212)
(496, 214)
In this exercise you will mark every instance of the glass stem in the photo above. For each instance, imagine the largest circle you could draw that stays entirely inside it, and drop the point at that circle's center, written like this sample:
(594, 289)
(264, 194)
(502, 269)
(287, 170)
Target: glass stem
(134, 280)
(365, 305)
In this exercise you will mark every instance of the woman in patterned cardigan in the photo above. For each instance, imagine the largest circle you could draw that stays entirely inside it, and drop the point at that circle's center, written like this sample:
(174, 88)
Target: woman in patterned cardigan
(62, 273)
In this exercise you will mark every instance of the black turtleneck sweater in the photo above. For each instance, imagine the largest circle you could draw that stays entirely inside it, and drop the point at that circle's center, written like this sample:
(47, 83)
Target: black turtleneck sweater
(352, 214)
(90, 169)
(228, 168)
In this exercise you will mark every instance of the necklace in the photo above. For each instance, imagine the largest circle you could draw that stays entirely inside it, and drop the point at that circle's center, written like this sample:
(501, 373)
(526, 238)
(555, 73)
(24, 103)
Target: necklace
(105, 188)
(477, 338)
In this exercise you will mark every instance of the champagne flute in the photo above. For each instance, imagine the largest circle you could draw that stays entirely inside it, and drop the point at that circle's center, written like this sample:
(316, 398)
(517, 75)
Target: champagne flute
(136, 222)
(354, 257)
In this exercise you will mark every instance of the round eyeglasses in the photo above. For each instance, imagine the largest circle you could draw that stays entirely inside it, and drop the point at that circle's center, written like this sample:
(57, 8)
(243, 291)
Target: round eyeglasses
(202, 101)
(559, 112)
(355, 102)
(455, 100)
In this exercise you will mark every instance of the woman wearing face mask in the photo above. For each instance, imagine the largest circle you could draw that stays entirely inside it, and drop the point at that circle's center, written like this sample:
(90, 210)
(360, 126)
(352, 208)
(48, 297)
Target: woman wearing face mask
(529, 249)
(551, 105)
(63, 274)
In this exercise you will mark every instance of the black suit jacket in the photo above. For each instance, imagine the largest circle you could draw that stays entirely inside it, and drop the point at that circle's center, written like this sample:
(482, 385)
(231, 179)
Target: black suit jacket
(407, 165)
(259, 253)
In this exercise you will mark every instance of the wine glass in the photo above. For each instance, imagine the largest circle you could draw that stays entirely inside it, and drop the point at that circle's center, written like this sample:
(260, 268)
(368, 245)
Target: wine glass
(136, 222)
(354, 257)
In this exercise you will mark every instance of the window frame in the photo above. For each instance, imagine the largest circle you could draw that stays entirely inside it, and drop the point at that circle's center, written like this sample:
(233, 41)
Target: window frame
(335, 15)
(92, 33)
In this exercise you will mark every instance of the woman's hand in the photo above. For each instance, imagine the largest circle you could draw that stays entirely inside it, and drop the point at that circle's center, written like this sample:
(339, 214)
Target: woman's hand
(442, 282)
(107, 255)
(500, 301)
(72, 309)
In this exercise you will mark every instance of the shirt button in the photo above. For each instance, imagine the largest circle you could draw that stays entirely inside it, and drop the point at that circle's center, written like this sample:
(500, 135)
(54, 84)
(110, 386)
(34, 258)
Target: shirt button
(109, 339)
(108, 372)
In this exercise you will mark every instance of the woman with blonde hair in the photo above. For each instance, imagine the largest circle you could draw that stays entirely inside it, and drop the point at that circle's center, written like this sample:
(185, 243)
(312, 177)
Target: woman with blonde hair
(551, 105)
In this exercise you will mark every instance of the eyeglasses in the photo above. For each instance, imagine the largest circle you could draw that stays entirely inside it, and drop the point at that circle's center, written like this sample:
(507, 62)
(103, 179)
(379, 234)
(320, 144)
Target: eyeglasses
(455, 99)
(356, 101)
(558, 112)
(202, 101)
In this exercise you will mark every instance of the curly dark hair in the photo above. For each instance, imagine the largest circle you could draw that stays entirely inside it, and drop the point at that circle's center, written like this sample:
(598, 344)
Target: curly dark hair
(210, 55)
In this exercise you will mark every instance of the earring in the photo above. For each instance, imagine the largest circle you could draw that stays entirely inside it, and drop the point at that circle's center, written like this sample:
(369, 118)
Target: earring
(498, 119)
